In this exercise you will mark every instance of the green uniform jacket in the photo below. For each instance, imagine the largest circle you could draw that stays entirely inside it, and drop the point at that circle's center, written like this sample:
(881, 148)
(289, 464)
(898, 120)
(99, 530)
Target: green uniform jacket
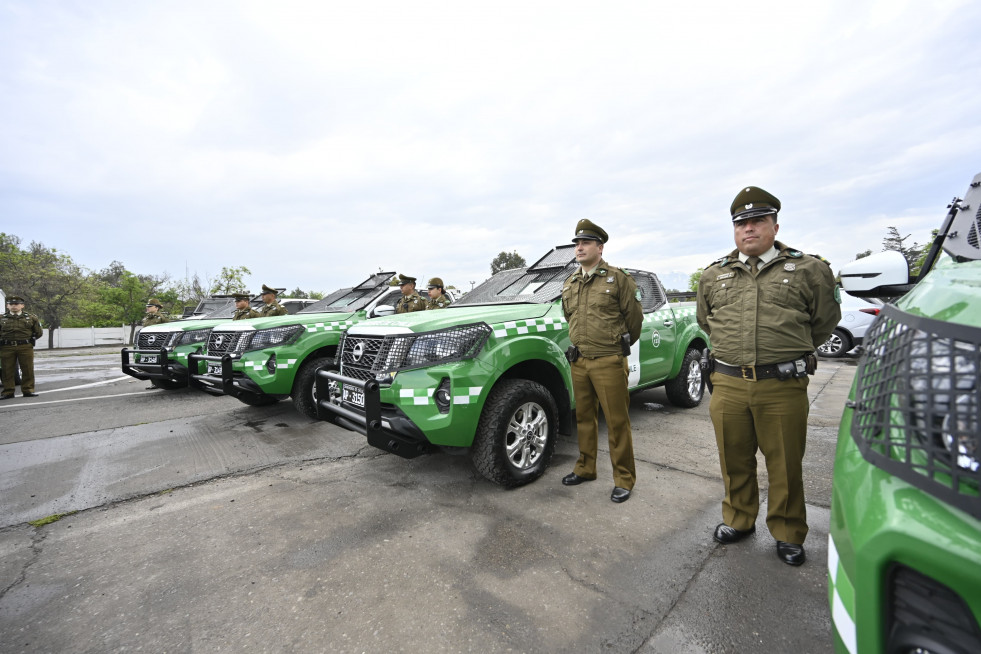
(439, 303)
(154, 319)
(19, 328)
(274, 309)
(410, 303)
(245, 314)
(601, 308)
(787, 310)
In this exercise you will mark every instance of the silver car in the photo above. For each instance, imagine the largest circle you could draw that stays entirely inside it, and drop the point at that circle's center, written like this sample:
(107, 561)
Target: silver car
(856, 316)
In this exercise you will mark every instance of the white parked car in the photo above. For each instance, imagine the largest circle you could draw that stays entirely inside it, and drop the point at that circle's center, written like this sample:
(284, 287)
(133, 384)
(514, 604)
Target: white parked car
(856, 315)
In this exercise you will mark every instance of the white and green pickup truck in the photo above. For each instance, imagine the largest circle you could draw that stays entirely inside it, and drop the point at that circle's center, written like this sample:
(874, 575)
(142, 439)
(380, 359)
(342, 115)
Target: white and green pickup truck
(263, 360)
(489, 372)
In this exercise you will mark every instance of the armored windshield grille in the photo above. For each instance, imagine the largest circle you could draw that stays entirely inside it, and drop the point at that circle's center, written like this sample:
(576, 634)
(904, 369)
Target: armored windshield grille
(367, 357)
(651, 294)
(559, 257)
(320, 306)
(227, 342)
(375, 281)
(917, 405)
(972, 235)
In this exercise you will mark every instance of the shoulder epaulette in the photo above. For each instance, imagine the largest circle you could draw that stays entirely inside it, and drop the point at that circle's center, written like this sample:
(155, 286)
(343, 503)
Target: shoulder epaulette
(722, 261)
(624, 271)
(820, 258)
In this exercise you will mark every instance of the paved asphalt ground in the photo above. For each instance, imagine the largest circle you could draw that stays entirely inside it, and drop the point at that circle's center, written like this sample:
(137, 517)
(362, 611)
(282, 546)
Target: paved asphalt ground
(201, 525)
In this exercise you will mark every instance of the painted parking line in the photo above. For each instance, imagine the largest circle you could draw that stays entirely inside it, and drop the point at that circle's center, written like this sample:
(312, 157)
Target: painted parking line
(101, 383)
(71, 399)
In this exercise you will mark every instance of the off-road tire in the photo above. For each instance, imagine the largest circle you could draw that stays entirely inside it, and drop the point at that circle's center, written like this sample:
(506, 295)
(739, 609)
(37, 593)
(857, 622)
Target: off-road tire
(305, 385)
(167, 384)
(516, 433)
(838, 345)
(687, 389)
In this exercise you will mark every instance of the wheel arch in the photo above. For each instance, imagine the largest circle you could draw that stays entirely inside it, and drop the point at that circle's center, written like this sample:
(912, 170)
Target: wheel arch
(545, 373)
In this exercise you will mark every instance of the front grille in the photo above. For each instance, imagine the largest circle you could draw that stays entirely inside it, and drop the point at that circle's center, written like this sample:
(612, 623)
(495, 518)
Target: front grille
(925, 614)
(368, 357)
(356, 361)
(227, 342)
(151, 341)
(917, 402)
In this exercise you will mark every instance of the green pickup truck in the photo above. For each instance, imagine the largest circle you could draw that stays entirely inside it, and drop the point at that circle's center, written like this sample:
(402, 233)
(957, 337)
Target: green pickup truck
(904, 554)
(263, 360)
(489, 372)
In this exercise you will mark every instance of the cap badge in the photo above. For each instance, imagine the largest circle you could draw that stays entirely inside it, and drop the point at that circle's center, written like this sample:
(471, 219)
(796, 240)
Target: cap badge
(749, 206)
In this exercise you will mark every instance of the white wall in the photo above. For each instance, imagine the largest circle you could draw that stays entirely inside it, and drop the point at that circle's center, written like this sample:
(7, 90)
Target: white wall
(86, 336)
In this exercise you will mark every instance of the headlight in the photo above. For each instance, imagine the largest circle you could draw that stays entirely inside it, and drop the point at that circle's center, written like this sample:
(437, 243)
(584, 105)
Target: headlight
(944, 402)
(276, 336)
(443, 346)
(194, 336)
(172, 340)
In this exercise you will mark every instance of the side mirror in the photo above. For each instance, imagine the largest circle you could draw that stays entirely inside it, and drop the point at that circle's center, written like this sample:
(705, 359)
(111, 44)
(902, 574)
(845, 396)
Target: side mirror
(885, 274)
(381, 310)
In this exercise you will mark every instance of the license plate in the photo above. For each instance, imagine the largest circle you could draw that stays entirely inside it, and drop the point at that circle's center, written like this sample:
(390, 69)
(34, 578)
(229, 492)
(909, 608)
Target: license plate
(148, 358)
(353, 396)
(214, 369)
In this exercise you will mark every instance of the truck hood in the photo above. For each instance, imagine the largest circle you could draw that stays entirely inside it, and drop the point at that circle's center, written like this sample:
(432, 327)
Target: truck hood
(425, 321)
(182, 325)
(950, 292)
(284, 321)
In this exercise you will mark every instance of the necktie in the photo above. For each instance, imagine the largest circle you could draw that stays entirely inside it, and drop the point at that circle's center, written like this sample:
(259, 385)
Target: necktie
(753, 263)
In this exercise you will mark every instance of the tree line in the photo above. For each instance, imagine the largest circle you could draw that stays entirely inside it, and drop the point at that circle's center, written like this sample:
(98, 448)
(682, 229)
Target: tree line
(64, 294)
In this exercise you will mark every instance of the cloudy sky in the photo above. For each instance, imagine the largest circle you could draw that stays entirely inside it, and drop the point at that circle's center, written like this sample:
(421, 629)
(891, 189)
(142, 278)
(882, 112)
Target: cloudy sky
(315, 142)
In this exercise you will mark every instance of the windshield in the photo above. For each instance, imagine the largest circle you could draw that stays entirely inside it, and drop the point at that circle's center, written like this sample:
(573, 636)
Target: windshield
(355, 298)
(540, 283)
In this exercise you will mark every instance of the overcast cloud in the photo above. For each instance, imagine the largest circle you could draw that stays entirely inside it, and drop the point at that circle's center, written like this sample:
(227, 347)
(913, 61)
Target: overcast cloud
(316, 142)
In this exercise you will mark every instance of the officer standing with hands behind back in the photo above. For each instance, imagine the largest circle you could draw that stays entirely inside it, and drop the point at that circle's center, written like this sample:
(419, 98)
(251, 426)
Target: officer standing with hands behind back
(602, 307)
(18, 332)
(767, 307)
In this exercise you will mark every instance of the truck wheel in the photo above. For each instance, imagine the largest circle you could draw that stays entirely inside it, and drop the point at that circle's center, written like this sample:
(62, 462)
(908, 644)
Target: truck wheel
(305, 386)
(258, 400)
(686, 390)
(837, 345)
(516, 434)
(167, 384)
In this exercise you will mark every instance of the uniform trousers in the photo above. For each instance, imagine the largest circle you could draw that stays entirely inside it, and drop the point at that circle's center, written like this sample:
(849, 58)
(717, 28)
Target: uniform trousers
(603, 382)
(769, 415)
(10, 355)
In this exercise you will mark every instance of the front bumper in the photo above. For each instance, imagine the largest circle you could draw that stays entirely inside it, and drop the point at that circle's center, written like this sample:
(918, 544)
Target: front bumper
(885, 532)
(230, 382)
(164, 368)
(385, 427)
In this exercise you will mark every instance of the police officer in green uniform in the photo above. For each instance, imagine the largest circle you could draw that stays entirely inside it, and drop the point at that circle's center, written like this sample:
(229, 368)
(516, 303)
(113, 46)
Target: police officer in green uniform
(767, 307)
(18, 332)
(438, 299)
(270, 306)
(153, 314)
(602, 307)
(242, 309)
(410, 300)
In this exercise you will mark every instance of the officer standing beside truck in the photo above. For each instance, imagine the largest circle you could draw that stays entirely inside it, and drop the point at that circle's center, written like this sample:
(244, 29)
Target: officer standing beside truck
(602, 307)
(153, 314)
(18, 332)
(437, 297)
(766, 307)
(242, 309)
(410, 300)
(270, 306)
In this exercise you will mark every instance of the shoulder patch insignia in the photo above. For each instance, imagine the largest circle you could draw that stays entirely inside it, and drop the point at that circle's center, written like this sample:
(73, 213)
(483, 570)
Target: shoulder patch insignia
(637, 294)
(796, 254)
(837, 294)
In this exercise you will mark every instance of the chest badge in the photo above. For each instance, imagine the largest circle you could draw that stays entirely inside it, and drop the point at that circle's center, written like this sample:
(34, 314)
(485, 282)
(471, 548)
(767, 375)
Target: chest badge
(790, 267)
(609, 280)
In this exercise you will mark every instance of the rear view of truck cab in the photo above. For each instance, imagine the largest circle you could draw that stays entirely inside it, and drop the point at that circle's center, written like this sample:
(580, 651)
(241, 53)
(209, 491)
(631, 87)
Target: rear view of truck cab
(904, 557)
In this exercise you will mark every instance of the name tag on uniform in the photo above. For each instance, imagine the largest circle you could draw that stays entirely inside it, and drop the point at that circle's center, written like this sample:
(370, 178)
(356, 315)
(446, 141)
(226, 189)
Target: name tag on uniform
(725, 276)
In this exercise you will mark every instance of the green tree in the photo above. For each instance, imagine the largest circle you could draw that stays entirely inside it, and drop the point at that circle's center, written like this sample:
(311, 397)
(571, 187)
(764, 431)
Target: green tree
(694, 278)
(51, 282)
(507, 261)
(298, 293)
(862, 255)
(920, 260)
(230, 280)
(893, 241)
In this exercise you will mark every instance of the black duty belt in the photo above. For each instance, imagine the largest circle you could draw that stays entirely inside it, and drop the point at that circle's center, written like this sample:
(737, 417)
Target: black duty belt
(766, 371)
(14, 342)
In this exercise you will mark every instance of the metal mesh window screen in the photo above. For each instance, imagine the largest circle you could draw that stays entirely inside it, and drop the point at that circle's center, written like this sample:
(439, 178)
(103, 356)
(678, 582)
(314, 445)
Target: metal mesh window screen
(366, 357)
(917, 403)
(651, 295)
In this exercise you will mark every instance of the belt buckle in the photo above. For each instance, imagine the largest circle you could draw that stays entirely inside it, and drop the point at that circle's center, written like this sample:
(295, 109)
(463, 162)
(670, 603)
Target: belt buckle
(751, 369)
